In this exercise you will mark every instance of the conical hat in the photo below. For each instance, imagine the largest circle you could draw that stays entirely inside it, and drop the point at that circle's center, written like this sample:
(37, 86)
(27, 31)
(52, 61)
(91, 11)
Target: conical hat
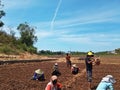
(39, 71)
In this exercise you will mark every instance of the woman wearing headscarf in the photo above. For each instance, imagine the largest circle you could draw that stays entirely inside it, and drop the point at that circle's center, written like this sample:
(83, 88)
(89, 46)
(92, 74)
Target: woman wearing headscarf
(106, 83)
(56, 70)
(53, 84)
(75, 69)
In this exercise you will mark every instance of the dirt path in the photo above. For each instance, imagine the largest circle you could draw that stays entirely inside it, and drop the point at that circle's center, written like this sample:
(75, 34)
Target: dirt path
(68, 83)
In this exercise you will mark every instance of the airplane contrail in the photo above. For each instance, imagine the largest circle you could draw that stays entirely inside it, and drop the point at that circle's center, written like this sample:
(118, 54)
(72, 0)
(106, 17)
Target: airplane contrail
(55, 14)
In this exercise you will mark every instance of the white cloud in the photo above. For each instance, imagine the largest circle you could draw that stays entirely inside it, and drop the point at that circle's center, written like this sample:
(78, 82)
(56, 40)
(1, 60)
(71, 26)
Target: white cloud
(17, 4)
(75, 39)
(43, 34)
(94, 38)
(91, 17)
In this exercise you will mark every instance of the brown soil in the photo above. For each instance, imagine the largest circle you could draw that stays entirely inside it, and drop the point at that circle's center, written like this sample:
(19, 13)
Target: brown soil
(18, 76)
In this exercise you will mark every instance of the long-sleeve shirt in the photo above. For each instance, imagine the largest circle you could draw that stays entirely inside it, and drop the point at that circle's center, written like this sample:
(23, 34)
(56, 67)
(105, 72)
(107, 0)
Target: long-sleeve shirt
(105, 86)
(55, 68)
(50, 86)
(88, 65)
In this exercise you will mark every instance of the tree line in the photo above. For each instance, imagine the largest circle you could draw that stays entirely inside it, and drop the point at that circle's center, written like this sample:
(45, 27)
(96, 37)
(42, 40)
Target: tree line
(11, 44)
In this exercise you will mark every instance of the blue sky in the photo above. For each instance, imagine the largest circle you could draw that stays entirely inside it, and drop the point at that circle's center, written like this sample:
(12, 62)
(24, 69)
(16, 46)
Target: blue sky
(68, 25)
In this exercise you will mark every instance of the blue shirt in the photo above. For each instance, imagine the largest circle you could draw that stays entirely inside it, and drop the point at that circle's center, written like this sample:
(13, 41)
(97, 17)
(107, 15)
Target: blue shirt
(105, 86)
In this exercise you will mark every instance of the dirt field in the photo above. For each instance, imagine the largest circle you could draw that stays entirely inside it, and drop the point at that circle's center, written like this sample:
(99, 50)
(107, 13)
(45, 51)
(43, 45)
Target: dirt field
(18, 76)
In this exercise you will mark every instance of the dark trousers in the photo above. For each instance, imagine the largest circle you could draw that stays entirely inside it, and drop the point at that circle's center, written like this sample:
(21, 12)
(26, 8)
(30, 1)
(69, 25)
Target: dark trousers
(55, 72)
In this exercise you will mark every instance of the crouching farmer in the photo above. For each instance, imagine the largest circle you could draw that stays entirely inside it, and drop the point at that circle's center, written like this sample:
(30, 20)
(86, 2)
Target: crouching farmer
(53, 84)
(106, 83)
(38, 75)
(74, 69)
(56, 70)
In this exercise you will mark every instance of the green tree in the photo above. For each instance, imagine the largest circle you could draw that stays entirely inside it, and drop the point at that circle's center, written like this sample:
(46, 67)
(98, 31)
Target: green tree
(27, 34)
(2, 13)
(117, 51)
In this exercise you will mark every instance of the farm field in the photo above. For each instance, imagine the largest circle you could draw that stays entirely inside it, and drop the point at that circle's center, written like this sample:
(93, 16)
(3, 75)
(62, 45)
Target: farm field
(18, 76)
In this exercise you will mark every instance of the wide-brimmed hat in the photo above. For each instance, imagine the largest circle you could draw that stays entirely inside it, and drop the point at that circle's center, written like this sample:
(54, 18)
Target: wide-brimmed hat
(108, 78)
(74, 65)
(39, 71)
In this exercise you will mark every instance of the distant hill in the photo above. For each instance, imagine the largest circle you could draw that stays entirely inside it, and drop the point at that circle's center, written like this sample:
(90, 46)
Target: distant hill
(9, 44)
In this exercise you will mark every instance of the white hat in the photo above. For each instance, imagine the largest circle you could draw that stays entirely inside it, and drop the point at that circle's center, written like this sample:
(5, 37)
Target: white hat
(74, 65)
(56, 64)
(108, 78)
(39, 71)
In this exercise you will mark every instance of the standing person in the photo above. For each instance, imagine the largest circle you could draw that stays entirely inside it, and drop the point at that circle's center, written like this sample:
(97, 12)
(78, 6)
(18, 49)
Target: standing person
(38, 75)
(106, 83)
(53, 84)
(56, 70)
(68, 61)
(74, 69)
(89, 62)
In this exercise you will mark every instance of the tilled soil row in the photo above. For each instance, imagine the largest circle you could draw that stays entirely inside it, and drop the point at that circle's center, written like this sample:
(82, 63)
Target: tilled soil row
(2, 62)
(18, 76)
(69, 83)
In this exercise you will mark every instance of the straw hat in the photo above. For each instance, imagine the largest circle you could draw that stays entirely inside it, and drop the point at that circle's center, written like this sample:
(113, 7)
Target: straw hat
(108, 78)
(39, 71)
(54, 77)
